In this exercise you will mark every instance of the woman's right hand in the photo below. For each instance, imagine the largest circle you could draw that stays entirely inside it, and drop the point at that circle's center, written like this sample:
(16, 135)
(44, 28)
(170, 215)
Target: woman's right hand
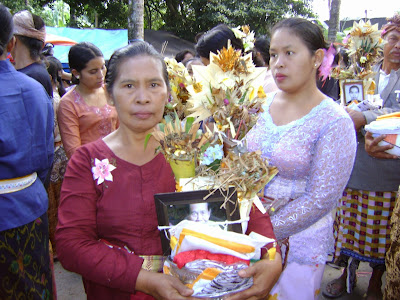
(162, 287)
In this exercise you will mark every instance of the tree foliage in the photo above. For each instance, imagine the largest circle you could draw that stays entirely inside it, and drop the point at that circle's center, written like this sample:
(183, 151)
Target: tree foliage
(196, 16)
(184, 18)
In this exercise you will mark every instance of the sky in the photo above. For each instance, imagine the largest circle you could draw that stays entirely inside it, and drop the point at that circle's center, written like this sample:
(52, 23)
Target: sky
(354, 9)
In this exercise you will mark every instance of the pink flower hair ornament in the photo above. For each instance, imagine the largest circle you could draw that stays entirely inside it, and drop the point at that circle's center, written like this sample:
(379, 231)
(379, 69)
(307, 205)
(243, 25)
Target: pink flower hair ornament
(326, 65)
(102, 170)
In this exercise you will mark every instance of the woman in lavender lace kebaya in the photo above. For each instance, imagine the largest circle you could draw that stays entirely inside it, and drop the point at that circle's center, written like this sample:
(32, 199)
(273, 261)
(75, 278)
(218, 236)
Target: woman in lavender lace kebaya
(312, 142)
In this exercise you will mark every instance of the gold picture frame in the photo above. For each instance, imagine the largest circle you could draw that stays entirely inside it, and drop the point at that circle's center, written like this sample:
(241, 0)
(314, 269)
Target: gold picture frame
(352, 90)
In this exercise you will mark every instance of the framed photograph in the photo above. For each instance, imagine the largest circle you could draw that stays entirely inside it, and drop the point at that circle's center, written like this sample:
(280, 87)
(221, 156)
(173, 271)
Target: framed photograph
(175, 207)
(353, 90)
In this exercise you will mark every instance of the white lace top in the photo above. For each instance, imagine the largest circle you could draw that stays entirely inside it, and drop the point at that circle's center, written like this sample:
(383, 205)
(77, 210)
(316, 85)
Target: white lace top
(314, 156)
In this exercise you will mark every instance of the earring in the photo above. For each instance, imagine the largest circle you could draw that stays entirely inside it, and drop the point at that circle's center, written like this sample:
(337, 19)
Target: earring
(77, 77)
(315, 65)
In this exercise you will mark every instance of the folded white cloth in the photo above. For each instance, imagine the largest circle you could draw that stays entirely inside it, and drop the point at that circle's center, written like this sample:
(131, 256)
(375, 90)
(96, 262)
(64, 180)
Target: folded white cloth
(385, 126)
(198, 236)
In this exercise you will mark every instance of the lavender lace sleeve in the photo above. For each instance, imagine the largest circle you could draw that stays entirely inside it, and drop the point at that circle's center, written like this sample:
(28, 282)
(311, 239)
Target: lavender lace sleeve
(332, 163)
(314, 156)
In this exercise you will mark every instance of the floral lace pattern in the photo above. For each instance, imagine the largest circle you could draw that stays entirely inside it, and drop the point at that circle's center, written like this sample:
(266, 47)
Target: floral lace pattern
(314, 156)
(104, 126)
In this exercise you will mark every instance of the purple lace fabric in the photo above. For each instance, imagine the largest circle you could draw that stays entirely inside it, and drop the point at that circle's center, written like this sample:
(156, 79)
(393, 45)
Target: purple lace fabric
(314, 156)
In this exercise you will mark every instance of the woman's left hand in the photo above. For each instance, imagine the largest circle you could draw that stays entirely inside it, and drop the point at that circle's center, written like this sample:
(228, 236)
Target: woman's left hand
(265, 274)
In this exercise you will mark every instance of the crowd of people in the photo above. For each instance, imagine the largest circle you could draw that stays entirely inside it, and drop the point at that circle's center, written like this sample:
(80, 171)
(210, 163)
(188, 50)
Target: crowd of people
(337, 187)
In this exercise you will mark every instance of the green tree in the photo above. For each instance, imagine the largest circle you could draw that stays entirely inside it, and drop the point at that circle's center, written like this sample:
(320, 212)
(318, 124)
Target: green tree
(184, 18)
(188, 17)
(18, 5)
(56, 14)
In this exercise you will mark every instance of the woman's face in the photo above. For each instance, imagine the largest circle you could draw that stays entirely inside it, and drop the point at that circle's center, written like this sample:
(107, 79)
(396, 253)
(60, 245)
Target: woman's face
(140, 93)
(92, 76)
(291, 62)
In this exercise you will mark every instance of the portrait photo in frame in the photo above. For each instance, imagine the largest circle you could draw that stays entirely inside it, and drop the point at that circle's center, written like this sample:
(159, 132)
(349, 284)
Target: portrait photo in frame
(175, 207)
(353, 90)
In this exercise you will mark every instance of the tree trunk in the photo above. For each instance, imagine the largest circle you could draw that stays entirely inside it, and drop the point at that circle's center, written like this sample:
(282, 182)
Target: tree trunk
(135, 20)
(73, 19)
(96, 19)
(334, 20)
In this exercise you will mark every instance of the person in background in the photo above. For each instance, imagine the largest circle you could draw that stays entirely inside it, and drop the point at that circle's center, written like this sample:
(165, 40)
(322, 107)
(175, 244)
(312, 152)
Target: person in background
(261, 51)
(193, 61)
(107, 229)
(261, 59)
(54, 68)
(392, 259)
(363, 216)
(217, 38)
(311, 140)
(26, 155)
(84, 114)
(184, 56)
(214, 40)
(30, 33)
(48, 50)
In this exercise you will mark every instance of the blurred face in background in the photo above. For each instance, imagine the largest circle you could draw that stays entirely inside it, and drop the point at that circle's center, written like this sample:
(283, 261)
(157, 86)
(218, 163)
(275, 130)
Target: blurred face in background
(192, 62)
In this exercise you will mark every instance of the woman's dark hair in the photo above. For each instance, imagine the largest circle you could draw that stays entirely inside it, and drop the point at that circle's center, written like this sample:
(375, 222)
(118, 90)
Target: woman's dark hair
(54, 67)
(136, 48)
(180, 56)
(310, 33)
(80, 54)
(35, 46)
(216, 39)
(261, 46)
(48, 50)
(7, 28)
(344, 55)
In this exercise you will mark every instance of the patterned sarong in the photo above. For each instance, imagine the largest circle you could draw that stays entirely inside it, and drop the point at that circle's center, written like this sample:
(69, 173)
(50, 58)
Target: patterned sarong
(392, 287)
(362, 226)
(53, 191)
(25, 263)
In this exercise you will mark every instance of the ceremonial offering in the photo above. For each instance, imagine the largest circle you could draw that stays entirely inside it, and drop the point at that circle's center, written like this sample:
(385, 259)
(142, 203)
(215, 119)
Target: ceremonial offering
(202, 225)
(230, 91)
(208, 259)
(364, 46)
(179, 79)
(390, 126)
(181, 143)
